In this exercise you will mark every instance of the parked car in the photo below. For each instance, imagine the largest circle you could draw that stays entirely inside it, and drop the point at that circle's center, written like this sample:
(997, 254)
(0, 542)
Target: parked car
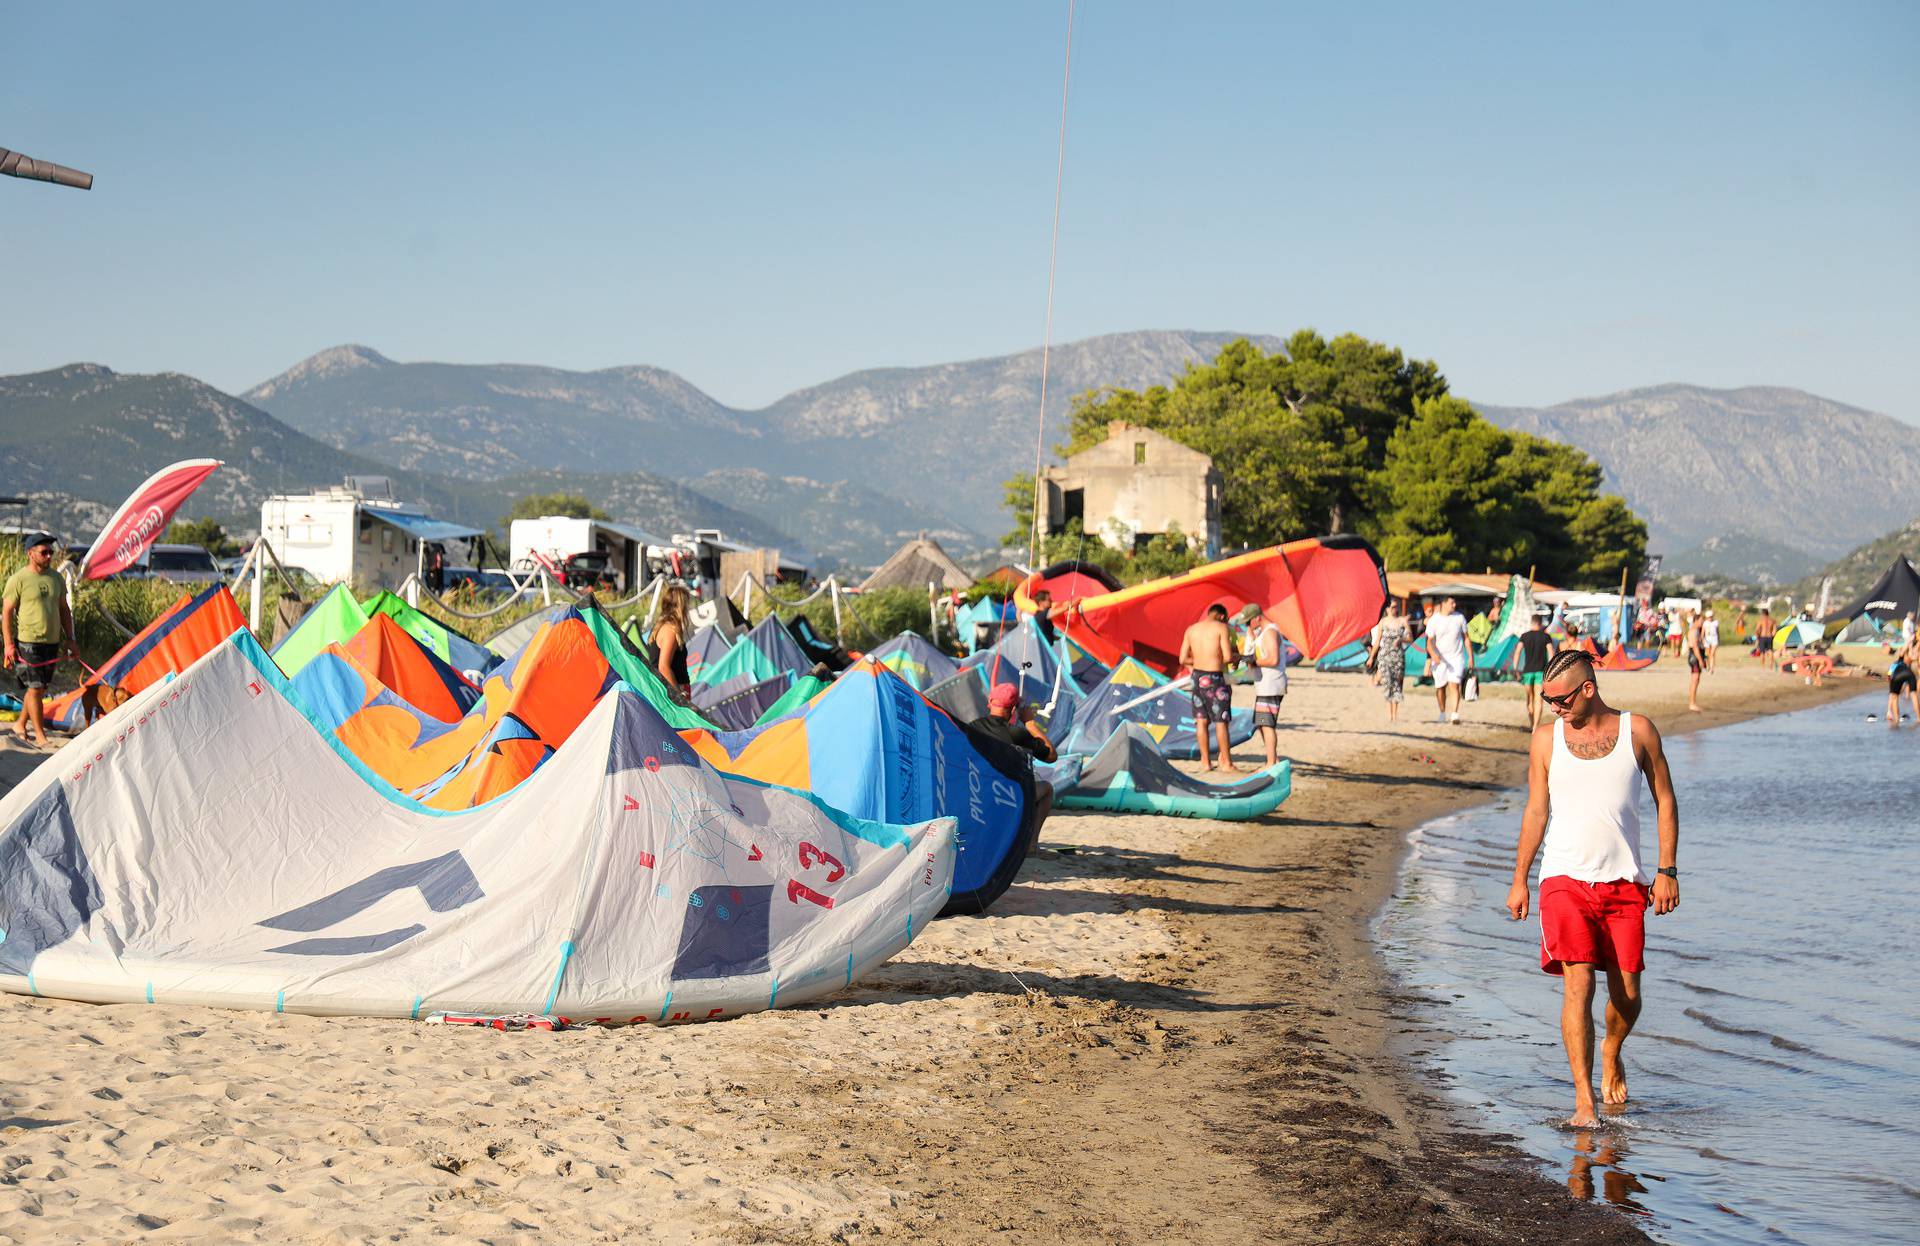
(183, 564)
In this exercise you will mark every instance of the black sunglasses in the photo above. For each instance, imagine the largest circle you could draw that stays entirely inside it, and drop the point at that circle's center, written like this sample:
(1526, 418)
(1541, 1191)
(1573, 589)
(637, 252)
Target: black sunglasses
(1565, 699)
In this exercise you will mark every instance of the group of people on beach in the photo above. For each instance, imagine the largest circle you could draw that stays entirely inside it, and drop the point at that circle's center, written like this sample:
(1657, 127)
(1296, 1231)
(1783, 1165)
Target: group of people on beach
(1209, 651)
(1451, 653)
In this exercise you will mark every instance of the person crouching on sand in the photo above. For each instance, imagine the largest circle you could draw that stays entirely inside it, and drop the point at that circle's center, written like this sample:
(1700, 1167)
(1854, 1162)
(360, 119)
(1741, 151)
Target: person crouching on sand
(1207, 651)
(1584, 775)
(1012, 722)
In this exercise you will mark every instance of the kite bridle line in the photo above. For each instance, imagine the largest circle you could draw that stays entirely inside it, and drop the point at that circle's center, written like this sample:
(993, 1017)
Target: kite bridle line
(1053, 254)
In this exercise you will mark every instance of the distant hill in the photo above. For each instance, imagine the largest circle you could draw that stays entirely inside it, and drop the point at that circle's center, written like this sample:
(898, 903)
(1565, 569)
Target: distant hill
(842, 524)
(485, 421)
(955, 431)
(966, 427)
(89, 433)
(1857, 569)
(1780, 464)
(1742, 558)
(78, 439)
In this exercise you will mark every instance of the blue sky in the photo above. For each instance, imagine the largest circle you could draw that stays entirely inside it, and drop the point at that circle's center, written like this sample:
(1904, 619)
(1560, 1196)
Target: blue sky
(1550, 200)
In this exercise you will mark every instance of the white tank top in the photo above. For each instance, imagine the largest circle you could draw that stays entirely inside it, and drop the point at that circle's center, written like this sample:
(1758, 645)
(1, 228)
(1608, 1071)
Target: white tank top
(1593, 812)
(1271, 681)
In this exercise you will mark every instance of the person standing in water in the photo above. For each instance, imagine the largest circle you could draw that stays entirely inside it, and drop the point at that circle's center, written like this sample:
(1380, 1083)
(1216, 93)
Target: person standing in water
(1902, 677)
(1584, 775)
(1207, 651)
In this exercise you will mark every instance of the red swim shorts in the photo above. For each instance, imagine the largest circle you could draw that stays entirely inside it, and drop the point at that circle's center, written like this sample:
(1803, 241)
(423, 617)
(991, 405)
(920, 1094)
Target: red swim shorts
(1602, 924)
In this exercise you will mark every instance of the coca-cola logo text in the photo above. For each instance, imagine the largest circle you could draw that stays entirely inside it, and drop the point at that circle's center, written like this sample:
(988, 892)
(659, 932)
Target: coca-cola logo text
(139, 534)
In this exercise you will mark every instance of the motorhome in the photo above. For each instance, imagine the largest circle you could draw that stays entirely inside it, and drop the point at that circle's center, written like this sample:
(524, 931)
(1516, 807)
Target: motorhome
(589, 550)
(357, 532)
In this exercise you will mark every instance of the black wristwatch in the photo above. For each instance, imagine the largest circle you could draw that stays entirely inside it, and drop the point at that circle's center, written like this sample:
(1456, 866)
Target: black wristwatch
(1671, 871)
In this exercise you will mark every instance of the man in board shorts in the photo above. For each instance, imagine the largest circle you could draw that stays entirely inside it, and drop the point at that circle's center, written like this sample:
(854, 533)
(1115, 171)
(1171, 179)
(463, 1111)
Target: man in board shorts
(1584, 776)
(1763, 631)
(38, 629)
(1207, 650)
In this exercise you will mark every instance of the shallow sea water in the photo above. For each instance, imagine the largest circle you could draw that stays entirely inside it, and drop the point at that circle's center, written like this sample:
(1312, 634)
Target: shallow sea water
(1775, 1071)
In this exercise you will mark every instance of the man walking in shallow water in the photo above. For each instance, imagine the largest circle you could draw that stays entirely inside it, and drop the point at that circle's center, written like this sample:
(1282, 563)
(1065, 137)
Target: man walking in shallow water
(1584, 774)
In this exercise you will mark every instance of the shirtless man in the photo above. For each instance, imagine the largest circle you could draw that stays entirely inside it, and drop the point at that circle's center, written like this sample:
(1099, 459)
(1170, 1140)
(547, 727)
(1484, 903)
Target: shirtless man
(1584, 776)
(1207, 650)
(1763, 631)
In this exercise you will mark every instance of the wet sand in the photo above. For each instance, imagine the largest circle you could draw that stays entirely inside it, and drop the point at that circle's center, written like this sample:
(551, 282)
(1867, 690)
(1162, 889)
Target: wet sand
(1165, 1026)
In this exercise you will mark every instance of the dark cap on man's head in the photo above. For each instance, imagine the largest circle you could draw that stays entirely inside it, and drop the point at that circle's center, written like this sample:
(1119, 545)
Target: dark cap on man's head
(37, 538)
(1249, 612)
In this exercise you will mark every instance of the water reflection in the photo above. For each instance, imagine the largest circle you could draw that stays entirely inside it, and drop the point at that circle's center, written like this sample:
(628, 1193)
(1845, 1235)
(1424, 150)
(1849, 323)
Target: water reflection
(1595, 1151)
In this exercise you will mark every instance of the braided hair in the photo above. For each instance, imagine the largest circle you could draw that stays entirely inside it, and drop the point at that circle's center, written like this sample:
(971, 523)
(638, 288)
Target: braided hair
(1567, 660)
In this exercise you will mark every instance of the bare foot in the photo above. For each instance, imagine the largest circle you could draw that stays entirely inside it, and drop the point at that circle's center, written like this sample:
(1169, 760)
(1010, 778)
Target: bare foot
(1584, 1117)
(1613, 1078)
(1696, 709)
(1230, 768)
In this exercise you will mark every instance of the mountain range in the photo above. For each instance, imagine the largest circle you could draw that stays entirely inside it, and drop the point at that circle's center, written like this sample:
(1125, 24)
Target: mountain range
(1742, 558)
(1859, 568)
(952, 431)
(1780, 464)
(1767, 479)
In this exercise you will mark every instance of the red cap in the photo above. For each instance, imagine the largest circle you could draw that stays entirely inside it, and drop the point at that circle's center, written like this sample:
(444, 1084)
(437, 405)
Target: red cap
(1003, 695)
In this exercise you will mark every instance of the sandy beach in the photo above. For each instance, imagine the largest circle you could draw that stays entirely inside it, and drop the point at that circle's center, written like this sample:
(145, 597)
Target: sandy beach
(1166, 1025)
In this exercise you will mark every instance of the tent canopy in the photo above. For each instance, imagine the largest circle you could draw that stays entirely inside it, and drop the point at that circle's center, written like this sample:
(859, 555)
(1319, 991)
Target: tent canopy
(1892, 597)
(422, 528)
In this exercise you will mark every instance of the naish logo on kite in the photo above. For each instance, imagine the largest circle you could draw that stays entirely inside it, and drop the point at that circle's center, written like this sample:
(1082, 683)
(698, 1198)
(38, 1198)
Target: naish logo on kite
(445, 883)
(180, 688)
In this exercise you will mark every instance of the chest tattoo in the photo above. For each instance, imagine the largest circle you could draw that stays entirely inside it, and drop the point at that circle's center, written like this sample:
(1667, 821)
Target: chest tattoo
(1593, 750)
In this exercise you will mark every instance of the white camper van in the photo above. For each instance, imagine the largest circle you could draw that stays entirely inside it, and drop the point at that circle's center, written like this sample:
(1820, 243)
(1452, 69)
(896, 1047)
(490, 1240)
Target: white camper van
(356, 532)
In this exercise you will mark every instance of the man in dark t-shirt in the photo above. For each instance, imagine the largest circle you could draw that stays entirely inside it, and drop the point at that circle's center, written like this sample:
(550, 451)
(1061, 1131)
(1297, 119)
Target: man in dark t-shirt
(1534, 649)
(1043, 615)
(1009, 722)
